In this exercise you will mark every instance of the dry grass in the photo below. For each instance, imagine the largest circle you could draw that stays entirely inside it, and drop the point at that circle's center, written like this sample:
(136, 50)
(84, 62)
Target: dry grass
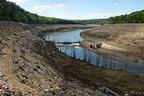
(126, 36)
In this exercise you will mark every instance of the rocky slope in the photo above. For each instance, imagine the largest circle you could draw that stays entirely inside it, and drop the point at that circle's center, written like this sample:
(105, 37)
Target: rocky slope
(27, 63)
(31, 66)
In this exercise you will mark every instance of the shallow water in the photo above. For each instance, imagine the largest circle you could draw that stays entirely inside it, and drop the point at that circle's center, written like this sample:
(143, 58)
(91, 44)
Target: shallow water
(70, 36)
(88, 56)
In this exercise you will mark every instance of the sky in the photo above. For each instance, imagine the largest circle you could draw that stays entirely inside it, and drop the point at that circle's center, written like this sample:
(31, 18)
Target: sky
(81, 9)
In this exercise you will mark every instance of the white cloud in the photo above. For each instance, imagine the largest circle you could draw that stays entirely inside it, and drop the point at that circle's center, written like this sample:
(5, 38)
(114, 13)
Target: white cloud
(59, 5)
(44, 9)
(56, 11)
(18, 1)
(40, 8)
(26, 8)
(115, 4)
(88, 16)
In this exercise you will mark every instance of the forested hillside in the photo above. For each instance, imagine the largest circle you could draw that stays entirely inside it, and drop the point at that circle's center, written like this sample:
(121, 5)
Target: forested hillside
(135, 17)
(92, 21)
(11, 11)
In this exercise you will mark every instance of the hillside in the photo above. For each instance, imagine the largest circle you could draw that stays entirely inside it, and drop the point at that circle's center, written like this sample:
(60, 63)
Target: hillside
(92, 21)
(121, 37)
(12, 12)
(30, 66)
(135, 17)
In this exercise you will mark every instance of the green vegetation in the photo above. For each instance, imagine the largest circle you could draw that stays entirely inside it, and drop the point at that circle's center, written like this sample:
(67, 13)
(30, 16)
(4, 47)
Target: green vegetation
(92, 21)
(135, 17)
(11, 11)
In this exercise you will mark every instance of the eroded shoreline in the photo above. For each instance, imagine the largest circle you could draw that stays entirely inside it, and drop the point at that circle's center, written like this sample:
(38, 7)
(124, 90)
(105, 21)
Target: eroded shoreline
(34, 66)
(110, 35)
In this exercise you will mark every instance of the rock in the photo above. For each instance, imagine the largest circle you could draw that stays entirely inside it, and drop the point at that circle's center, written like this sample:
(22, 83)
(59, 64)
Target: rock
(16, 62)
(104, 92)
(14, 34)
(53, 52)
(57, 77)
(46, 90)
(72, 94)
(58, 88)
(2, 54)
(62, 92)
(108, 91)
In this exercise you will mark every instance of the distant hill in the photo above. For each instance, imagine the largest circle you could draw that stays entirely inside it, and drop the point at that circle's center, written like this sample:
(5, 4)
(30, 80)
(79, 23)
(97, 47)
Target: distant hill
(11, 11)
(92, 21)
(135, 17)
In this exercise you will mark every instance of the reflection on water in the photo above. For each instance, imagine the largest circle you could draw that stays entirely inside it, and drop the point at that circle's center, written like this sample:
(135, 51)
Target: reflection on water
(70, 36)
(88, 56)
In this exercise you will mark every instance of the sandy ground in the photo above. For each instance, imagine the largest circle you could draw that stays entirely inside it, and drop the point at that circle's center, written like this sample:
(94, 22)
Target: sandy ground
(130, 34)
(124, 38)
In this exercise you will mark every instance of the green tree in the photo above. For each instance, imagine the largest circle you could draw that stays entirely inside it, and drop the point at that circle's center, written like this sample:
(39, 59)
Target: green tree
(11, 11)
(135, 17)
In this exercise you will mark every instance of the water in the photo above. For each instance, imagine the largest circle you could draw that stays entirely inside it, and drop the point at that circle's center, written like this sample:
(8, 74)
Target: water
(88, 56)
(70, 36)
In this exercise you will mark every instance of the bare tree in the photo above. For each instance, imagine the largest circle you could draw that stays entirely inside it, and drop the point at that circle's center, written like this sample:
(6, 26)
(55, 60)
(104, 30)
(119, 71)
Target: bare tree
(73, 52)
(98, 57)
(125, 64)
(104, 61)
(84, 55)
(90, 57)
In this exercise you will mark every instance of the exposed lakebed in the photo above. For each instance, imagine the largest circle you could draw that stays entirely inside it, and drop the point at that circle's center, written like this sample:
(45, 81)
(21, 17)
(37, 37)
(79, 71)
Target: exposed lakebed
(81, 53)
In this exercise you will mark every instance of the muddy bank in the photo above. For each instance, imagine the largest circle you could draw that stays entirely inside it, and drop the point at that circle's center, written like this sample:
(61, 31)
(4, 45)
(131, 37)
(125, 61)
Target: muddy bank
(54, 28)
(123, 38)
(32, 66)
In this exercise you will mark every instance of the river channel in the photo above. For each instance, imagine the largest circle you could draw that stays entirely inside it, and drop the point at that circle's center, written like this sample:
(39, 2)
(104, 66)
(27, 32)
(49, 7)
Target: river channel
(81, 53)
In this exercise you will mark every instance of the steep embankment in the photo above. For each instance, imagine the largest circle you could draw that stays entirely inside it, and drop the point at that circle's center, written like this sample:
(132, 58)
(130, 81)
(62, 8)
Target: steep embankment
(28, 63)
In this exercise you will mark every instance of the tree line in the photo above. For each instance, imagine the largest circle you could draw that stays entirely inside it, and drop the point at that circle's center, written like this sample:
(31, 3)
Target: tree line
(11, 11)
(135, 17)
(92, 21)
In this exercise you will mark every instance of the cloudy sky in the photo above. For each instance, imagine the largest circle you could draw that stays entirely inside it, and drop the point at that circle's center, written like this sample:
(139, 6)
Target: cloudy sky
(80, 9)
